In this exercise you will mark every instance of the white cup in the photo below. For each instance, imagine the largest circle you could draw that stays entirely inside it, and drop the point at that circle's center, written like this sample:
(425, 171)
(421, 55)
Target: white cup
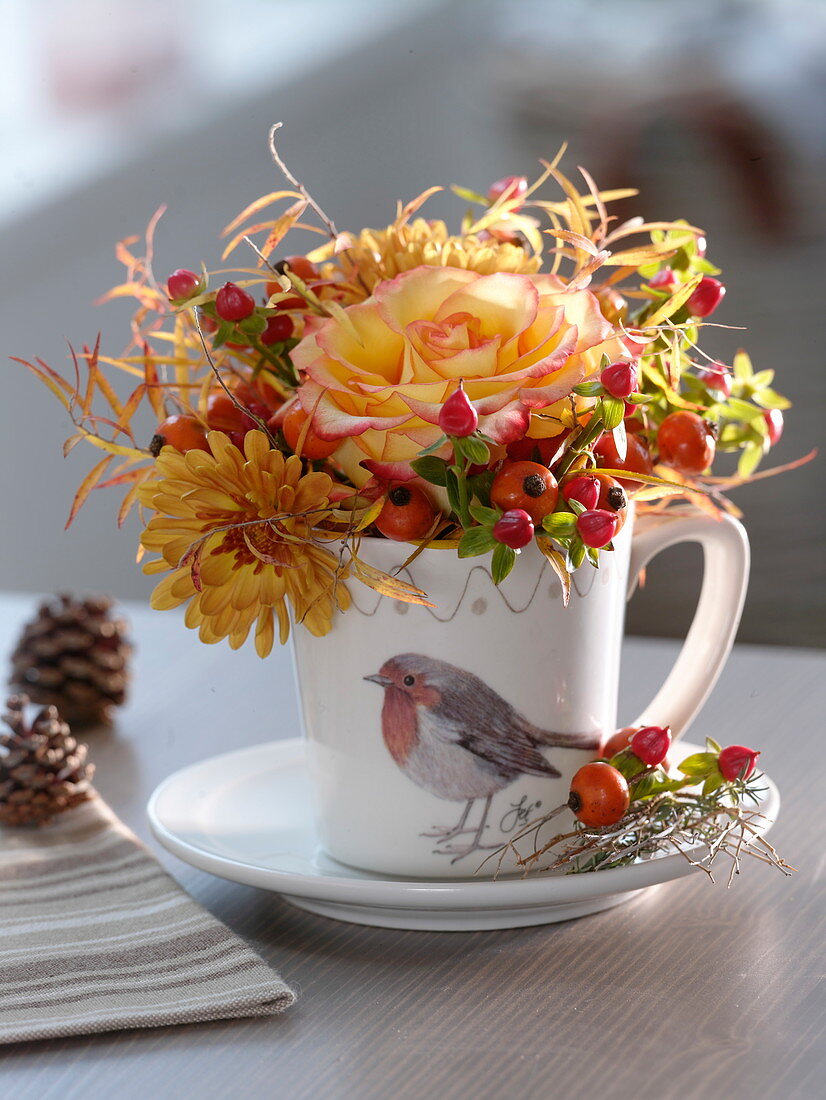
(434, 733)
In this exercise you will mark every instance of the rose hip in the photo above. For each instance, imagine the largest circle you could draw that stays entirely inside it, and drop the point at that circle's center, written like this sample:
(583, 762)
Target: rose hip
(599, 795)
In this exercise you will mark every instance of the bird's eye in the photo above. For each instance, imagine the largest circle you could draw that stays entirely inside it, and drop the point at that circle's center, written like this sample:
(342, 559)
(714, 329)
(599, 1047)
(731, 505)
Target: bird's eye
(409, 681)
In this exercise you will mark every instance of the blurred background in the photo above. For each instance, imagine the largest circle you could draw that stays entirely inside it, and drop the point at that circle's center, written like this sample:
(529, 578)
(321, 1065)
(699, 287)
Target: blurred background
(715, 111)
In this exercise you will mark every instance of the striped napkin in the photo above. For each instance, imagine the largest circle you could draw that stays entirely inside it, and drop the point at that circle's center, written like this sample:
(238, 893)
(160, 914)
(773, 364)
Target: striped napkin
(95, 936)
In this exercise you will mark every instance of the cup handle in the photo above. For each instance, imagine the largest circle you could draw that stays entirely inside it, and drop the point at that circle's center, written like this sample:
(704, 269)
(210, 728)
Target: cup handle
(709, 641)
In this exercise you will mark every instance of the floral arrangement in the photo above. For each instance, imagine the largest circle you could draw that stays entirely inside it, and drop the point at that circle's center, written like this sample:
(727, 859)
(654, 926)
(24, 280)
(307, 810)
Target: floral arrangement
(629, 805)
(516, 381)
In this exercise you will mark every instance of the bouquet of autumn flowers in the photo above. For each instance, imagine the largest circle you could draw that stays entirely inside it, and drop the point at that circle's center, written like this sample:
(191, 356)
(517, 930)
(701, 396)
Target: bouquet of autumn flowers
(519, 380)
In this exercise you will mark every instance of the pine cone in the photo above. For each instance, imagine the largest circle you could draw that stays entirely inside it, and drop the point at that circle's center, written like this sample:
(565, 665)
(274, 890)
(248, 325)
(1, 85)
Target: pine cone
(43, 769)
(74, 656)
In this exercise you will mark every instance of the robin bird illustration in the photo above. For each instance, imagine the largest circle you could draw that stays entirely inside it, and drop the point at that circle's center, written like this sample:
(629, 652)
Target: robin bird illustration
(456, 737)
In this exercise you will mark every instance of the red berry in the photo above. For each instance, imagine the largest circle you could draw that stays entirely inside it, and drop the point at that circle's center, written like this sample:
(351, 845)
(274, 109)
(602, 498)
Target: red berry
(665, 279)
(514, 528)
(705, 299)
(279, 328)
(716, 378)
(233, 304)
(458, 417)
(651, 744)
(527, 486)
(407, 514)
(599, 795)
(597, 527)
(182, 284)
(620, 378)
(737, 762)
(686, 443)
(512, 187)
(584, 488)
(774, 422)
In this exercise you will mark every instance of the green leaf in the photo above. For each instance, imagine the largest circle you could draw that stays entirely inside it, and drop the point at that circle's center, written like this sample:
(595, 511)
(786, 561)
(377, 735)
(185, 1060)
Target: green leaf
(613, 412)
(440, 442)
(762, 379)
(637, 398)
(452, 486)
(713, 746)
(468, 195)
(742, 410)
(742, 366)
(593, 556)
(431, 469)
(769, 399)
(749, 459)
(588, 389)
(577, 553)
(621, 441)
(712, 783)
(504, 559)
(223, 334)
(559, 523)
(577, 506)
(486, 516)
(253, 325)
(480, 485)
(473, 449)
(699, 765)
(477, 540)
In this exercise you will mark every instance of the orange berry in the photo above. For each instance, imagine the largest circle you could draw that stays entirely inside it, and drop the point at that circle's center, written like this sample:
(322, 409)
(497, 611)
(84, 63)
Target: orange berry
(686, 442)
(184, 433)
(637, 459)
(223, 415)
(524, 485)
(599, 795)
(313, 447)
(407, 514)
(618, 741)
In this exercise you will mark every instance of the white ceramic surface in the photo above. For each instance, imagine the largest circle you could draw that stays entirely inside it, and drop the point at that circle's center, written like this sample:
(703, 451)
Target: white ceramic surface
(245, 816)
(497, 662)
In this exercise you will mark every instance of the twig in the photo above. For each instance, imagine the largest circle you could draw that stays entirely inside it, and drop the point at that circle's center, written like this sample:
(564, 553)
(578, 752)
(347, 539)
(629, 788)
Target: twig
(328, 221)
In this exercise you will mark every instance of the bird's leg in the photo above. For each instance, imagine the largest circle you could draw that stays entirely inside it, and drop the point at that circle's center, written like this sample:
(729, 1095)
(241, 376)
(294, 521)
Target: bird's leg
(475, 845)
(445, 834)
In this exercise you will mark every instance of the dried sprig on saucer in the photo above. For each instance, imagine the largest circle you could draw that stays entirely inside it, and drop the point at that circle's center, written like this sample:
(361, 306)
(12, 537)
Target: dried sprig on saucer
(628, 808)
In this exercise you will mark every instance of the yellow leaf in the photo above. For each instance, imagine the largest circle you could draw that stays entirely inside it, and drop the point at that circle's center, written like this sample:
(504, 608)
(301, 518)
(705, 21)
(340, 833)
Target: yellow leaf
(557, 563)
(86, 487)
(386, 585)
(675, 302)
(259, 204)
(115, 448)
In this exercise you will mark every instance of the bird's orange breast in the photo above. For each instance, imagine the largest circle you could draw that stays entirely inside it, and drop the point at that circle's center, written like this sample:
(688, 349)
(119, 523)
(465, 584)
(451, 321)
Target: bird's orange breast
(399, 724)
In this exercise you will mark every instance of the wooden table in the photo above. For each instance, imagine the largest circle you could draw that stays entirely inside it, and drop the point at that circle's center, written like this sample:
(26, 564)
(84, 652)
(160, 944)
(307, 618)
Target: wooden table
(691, 991)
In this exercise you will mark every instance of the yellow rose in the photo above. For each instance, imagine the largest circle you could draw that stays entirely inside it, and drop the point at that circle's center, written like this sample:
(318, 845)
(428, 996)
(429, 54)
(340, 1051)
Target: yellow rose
(378, 380)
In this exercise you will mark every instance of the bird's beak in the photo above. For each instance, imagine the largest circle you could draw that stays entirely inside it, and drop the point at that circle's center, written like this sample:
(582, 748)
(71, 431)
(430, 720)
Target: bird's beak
(377, 678)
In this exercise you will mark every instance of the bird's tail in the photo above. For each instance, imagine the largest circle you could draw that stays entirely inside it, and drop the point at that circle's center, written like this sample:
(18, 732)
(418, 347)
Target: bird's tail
(567, 740)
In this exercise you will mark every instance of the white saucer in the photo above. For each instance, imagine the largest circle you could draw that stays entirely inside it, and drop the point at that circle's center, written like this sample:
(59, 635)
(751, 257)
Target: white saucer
(246, 816)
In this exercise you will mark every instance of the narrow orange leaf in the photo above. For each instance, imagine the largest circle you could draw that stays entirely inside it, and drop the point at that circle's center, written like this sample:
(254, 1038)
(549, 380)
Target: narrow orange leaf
(259, 204)
(86, 487)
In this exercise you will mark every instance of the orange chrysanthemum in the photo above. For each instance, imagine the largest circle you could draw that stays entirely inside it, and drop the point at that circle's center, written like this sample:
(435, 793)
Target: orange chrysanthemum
(262, 554)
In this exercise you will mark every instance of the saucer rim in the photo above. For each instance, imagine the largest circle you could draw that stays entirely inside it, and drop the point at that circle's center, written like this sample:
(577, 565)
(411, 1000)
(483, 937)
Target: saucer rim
(363, 887)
